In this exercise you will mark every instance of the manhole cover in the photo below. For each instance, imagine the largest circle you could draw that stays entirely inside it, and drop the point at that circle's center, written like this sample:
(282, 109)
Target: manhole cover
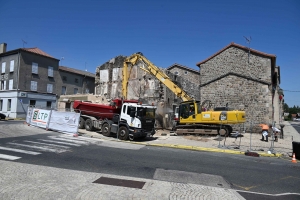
(120, 182)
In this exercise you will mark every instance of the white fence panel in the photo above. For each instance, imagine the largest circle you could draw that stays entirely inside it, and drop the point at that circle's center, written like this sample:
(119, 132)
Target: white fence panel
(64, 121)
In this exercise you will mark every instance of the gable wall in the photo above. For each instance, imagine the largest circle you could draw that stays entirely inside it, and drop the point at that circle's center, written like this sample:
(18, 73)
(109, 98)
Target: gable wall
(240, 93)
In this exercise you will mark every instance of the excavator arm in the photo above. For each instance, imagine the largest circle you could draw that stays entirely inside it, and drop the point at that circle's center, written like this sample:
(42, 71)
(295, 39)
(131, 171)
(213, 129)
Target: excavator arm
(153, 70)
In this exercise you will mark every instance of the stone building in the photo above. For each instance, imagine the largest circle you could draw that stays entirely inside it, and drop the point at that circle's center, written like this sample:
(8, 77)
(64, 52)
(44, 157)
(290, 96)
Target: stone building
(245, 79)
(187, 79)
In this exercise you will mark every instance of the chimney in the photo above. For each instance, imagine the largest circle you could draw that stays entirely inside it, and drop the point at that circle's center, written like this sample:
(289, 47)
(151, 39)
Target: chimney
(3, 47)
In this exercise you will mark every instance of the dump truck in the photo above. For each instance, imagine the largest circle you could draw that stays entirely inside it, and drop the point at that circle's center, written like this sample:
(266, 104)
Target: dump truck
(128, 119)
(194, 117)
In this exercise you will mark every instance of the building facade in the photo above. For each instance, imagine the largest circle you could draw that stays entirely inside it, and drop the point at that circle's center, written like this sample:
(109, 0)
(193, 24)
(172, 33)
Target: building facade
(246, 79)
(73, 84)
(27, 79)
(31, 77)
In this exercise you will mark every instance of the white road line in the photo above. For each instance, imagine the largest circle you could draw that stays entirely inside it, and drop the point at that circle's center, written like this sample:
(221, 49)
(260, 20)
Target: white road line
(20, 151)
(68, 140)
(81, 138)
(57, 142)
(38, 147)
(47, 144)
(8, 157)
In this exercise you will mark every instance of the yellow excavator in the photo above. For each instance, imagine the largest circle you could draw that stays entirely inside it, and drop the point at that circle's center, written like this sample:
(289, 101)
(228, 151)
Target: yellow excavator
(194, 117)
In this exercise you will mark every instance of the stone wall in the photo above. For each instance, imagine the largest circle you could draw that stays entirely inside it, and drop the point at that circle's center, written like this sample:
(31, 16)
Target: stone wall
(230, 78)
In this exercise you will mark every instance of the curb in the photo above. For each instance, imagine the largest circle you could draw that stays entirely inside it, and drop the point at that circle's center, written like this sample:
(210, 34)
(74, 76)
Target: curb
(187, 147)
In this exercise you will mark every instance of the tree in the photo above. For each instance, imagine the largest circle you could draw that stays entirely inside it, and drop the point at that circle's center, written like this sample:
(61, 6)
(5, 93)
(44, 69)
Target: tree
(285, 108)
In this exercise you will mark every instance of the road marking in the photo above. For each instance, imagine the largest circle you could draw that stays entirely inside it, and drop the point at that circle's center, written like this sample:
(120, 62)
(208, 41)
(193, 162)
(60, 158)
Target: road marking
(47, 144)
(57, 142)
(8, 157)
(38, 147)
(68, 140)
(20, 151)
(81, 138)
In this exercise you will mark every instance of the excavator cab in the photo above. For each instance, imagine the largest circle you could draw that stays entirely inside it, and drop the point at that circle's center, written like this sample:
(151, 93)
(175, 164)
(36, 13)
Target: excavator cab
(189, 109)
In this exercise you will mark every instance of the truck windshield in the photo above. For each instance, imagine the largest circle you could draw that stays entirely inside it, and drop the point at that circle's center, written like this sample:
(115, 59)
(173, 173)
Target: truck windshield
(146, 112)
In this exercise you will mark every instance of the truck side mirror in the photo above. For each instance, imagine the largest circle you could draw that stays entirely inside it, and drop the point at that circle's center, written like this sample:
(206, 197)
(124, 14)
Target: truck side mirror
(132, 113)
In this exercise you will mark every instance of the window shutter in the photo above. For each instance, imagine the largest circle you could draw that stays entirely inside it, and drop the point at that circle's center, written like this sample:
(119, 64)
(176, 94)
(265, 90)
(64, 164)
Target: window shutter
(33, 86)
(50, 71)
(12, 65)
(10, 84)
(34, 68)
(49, 88)
(3, 67)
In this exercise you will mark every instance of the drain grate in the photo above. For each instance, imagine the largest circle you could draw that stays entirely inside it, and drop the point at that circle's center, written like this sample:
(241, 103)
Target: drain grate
(120, 182)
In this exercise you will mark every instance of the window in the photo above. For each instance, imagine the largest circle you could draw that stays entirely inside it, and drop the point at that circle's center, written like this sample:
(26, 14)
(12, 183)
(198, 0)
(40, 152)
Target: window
(8, 104)
(64, 78)
(49, 88)
(33, 86)
(49, 103)
(50, 71)
(3, 85)
(32, 103)
(12, 65)
(35, 68)
(75, 90)
(87, 90)
(1, 105)
(3, 67)
(129, 109)
(176, 73)
(76, 80)
(63, 90)
(186, 72)
(10, 84)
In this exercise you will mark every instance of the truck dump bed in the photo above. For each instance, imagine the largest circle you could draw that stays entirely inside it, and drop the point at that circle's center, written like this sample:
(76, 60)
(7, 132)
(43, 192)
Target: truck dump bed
(100, 111)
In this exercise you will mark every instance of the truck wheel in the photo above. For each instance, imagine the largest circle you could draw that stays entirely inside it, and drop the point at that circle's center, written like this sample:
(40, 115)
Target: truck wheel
(105, 130)
(123, 133)
(81, 123)
(89, 125)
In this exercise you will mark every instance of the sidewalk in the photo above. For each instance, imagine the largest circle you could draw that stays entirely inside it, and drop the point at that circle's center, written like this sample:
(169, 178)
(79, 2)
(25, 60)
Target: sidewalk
(240, 145)
(27, 181)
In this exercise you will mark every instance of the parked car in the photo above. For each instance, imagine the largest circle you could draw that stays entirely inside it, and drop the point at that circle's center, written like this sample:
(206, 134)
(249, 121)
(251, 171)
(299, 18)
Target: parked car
(297, 119)
(2, 116)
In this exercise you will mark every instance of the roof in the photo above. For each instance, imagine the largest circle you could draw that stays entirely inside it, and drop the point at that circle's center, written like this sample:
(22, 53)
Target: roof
(34, 50)
(37, 51)
(238, 46)
(76, 71)
(183, 67)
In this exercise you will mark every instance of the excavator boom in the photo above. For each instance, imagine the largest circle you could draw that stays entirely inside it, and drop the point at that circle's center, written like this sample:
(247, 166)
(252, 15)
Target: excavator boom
(155, 71)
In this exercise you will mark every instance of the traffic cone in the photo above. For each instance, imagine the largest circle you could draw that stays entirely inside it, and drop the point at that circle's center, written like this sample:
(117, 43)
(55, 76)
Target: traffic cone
(294, 158)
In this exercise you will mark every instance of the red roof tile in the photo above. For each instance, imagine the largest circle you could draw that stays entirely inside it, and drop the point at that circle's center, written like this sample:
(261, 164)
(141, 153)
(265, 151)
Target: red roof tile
(37, 51)
(238, 46)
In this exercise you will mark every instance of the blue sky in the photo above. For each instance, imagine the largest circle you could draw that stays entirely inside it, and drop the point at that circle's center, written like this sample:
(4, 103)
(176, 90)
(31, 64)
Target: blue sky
(88, 33)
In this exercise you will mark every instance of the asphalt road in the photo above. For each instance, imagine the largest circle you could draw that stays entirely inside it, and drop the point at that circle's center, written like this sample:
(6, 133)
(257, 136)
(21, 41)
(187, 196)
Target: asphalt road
(245, 173)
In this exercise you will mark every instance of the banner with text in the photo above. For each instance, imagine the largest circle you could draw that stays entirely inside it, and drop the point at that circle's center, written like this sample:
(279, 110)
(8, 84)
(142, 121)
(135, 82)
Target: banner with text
(64, 121)
(40, 117)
